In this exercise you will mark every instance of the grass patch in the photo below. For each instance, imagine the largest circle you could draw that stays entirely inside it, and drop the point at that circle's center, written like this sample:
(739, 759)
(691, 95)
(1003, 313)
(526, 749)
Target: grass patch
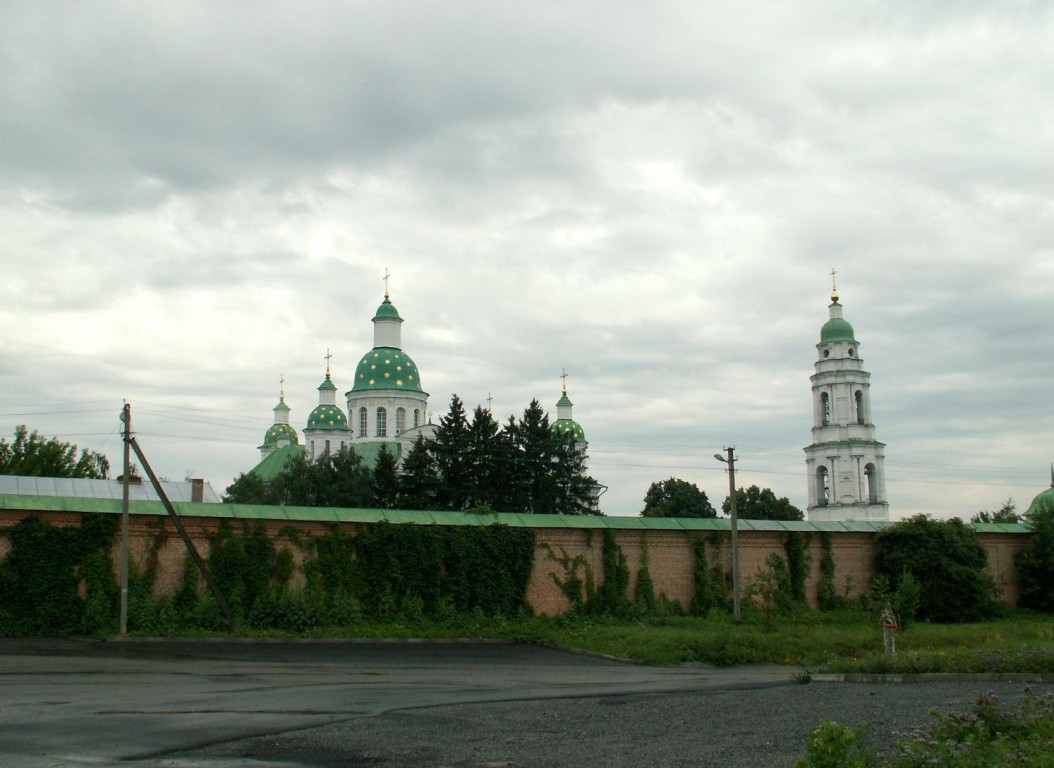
(843, 642)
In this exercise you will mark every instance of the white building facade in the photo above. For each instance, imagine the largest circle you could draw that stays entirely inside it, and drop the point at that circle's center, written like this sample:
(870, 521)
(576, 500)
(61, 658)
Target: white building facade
(845, 463)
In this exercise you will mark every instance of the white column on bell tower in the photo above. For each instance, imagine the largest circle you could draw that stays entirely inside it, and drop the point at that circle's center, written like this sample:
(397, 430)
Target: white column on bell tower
(845, 463)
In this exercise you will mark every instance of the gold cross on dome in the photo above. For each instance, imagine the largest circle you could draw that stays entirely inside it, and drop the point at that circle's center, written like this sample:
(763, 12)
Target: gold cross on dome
(387, 276)
(563, 376)
(281, 387)
(328, 358)
(490, 404)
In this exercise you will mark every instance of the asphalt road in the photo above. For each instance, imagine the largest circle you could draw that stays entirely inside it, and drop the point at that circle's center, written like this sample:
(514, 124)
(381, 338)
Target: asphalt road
(258, 704)
(142, 703)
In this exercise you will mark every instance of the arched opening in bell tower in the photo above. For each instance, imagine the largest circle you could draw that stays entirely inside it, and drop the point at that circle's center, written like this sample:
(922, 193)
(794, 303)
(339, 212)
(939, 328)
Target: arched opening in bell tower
(823, 488)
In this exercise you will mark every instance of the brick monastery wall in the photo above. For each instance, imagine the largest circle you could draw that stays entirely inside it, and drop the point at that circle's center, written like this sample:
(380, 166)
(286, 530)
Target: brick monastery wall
(671, 561)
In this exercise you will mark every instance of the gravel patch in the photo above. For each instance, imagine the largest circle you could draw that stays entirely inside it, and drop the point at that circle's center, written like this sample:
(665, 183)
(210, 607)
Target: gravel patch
(755, 728)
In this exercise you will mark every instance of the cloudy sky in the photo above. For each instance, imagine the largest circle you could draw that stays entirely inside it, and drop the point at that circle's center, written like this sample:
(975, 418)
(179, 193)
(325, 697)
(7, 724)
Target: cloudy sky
(198, 198)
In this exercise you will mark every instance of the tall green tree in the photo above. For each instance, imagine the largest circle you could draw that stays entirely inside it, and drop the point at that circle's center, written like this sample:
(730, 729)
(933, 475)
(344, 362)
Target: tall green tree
(676, 498)
(490, 459)
(1035, 565)
(385, 480)
(450, 448)
(755, 503)
(419, 481)
(535, 458)
(575, 489)
(32, 455)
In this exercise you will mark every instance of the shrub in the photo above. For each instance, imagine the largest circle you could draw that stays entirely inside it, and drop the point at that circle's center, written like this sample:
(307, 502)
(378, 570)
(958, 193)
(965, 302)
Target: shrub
(1035, 565)
(947, 562)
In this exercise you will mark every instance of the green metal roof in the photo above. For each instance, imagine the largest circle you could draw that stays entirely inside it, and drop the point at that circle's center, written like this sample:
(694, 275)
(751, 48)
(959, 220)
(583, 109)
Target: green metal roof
(569, 426)
(836, 329)
(370, 451)
(327, 384)
(279, 432)
(327, 417)
(386, 368)
(387, 310)
(272, 466)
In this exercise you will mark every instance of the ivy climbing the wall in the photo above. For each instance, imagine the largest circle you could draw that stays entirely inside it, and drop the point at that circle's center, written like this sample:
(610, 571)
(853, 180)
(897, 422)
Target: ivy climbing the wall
(826, 593)
(796, 545)
(46, 571)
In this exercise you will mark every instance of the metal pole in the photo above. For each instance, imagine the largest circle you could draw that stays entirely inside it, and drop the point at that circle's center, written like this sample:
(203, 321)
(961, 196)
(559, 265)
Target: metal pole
(736, 609)
(126, 419)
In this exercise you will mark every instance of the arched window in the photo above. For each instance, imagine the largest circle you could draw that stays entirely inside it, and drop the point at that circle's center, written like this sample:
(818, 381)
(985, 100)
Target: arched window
(417, 417)
(825, 409)
(859, 407)
(382, 422)
(400, 420)
(872, 484)
(312, 449)
(363, 416)
(823, 488)
(327, 447)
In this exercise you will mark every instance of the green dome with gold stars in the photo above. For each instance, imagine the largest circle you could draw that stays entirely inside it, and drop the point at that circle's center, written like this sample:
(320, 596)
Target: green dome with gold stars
(568, 426)
(386, 368)
(327, 417)
(279, 432)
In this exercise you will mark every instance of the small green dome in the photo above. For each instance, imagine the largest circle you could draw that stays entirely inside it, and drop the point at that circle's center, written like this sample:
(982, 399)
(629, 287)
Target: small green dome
(386, 368)
(279, 432)
(568, 426)
(387, 310)
(837, 329)
(1044, 500)
(327, 417)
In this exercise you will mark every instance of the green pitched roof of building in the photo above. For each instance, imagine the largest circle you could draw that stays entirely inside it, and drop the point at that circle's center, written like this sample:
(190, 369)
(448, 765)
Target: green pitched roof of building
(386, 368)
(268, 469)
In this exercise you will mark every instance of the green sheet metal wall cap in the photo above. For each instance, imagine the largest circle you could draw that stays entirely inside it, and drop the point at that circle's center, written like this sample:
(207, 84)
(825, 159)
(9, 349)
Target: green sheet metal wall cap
(386, 368)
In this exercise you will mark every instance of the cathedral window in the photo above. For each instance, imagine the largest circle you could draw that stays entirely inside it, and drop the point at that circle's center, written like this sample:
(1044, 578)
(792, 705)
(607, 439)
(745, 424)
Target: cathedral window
(382, 422)
(859, 407)
(825, 409)
(363, 417)
(417, 417)
(326, 449)
(400, 420)
(872, 484)
(823, 488)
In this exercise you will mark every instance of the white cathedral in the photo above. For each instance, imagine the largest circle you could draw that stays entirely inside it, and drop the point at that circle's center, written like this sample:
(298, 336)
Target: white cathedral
(846, 470)
(386, 406)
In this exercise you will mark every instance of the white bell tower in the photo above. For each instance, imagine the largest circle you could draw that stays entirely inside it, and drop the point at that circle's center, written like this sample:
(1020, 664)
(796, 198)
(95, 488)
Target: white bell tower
(846, 465)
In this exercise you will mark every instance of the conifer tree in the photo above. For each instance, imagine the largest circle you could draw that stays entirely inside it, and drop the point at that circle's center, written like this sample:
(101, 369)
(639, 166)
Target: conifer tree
(451, 451)
(419, 482)
(385, 480)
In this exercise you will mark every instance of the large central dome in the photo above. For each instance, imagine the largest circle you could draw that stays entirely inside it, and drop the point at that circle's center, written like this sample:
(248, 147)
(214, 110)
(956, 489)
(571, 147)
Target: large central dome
(386, 368)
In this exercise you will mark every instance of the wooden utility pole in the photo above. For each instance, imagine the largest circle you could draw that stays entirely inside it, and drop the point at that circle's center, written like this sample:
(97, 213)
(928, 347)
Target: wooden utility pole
(126, 419)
